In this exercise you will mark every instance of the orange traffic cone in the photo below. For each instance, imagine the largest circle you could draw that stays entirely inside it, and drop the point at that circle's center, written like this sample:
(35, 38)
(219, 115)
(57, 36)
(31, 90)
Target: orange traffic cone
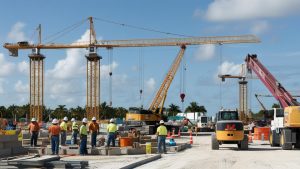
(179, 133)
(191, 138)
(168, 136)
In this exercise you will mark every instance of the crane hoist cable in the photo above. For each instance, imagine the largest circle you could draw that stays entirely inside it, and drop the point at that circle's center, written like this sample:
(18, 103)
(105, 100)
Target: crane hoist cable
(139, 27)
(182, 82)
(141, 76)
(110, 64)
(220, 69)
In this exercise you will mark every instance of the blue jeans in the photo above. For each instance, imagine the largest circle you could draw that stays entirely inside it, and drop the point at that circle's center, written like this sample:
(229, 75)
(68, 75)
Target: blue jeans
(34, 137)
(161, 141)
(74, 137)
(63, 136)
(93, 139)
(54, 144)
(111, 138)
(83, 143)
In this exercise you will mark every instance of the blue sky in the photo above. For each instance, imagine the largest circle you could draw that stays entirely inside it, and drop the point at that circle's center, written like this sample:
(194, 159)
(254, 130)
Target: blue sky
(275, 22)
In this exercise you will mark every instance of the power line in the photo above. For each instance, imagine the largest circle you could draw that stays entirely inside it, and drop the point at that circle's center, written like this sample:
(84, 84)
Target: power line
(141, 28)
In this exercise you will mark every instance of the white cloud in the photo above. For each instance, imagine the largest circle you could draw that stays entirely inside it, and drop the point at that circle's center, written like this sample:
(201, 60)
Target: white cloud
(16, 33)
(104, 70)
(229, 68)
(7, 68)
(20, 87)
(205, 52)
(231, 10)
(73, 65)
(23, 67)
(150, 85)
(260, 27)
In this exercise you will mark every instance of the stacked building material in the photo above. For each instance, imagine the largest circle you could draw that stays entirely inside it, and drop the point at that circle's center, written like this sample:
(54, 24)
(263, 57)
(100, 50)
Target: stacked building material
(10, 146)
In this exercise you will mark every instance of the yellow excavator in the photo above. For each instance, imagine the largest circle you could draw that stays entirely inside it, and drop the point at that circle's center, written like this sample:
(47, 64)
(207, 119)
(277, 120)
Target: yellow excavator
(141, 117)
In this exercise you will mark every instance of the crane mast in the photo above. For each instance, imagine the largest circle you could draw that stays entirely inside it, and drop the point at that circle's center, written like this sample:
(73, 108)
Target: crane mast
(277, 90)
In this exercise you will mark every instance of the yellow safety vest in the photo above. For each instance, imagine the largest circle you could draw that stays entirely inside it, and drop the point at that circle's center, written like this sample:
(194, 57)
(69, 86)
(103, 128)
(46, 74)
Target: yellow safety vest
(111, 128)
(74, 126)
(63, 126)
(83, 130)
(162, 131)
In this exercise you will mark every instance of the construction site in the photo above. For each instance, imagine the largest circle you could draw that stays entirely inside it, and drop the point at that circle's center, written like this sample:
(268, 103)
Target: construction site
(248, 114)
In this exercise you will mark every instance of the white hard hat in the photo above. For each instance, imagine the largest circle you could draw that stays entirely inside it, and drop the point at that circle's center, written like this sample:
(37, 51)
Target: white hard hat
(85, 120)
(94, 118)
(65, 118)
(33, 119)
(73, 119)
(54, 121)
(161, 122)
(112, 120)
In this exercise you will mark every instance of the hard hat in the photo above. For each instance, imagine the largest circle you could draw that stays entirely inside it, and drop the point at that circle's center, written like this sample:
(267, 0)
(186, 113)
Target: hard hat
(112, 120)
(33, 119)
(65, 118)
(84, 120)
(54, 121)
(94, 118)
(73, 119)
(161, 122)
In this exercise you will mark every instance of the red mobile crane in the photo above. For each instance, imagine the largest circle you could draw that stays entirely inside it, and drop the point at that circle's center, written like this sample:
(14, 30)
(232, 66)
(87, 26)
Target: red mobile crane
(285, 128)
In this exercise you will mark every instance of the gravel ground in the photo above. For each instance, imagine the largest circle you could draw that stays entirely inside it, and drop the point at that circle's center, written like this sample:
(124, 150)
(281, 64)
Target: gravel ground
(259, 156)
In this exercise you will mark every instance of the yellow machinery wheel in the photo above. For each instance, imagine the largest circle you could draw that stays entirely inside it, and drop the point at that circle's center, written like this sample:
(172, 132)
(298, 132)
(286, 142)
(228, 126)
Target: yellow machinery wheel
(283, 144)
(271, 139)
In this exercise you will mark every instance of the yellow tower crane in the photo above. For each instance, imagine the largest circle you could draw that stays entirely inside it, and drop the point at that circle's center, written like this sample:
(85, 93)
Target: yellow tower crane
(93, 62)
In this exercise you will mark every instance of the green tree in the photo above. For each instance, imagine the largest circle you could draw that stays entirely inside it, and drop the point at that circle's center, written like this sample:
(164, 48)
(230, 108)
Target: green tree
(194, 107)
(2, 111)
(275, 105)
(60, 112)
(173, 110)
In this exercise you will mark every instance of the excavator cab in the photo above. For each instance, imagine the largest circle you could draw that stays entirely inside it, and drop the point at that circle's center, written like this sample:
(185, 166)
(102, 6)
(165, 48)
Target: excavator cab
(229, 130)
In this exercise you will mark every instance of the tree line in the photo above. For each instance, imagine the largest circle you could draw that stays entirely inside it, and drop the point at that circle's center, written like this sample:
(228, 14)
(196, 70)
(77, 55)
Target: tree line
(21, 112)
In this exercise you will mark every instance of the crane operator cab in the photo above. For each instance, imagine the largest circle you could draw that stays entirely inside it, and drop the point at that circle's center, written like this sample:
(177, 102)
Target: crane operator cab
(229, 130)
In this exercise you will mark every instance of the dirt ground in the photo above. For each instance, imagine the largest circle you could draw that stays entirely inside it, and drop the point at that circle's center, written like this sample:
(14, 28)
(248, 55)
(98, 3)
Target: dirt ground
(259, 156)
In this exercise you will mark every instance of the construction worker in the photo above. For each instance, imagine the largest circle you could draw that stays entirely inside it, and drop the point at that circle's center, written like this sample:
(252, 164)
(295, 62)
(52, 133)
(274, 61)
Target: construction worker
(63, 131)
(94, 129)
(83, 137)
(54, 131)
(161, 133)
(74, 131)
(34, 129)
(111, 132)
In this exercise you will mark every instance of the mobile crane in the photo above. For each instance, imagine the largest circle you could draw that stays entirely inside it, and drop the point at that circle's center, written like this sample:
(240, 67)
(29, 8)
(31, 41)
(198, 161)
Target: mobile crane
(139, 116)
(285, 128)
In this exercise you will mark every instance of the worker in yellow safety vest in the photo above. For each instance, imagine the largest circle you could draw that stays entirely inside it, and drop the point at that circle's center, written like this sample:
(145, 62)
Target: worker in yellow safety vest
(83, 137)
(75, 131)
(111, 133)
(63, 131)
(161, 133)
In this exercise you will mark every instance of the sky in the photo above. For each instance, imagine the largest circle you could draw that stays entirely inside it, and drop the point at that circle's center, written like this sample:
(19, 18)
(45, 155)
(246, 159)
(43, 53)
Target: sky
(275, 22)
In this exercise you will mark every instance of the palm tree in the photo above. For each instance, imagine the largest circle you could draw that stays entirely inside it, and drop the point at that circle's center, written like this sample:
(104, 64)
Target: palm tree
(2, 111)
(60, 111)
(194, 107)
(173, 110)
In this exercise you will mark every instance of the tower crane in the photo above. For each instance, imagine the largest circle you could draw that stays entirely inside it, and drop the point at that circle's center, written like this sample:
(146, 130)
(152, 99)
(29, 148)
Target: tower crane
(93, 61)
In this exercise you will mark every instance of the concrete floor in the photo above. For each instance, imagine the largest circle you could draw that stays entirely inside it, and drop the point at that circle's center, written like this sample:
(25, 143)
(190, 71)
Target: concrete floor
(259, 156)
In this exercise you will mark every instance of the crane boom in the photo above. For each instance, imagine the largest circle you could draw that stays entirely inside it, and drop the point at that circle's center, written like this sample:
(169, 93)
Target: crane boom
(277, 90)
(14, 47)
(163, 90)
